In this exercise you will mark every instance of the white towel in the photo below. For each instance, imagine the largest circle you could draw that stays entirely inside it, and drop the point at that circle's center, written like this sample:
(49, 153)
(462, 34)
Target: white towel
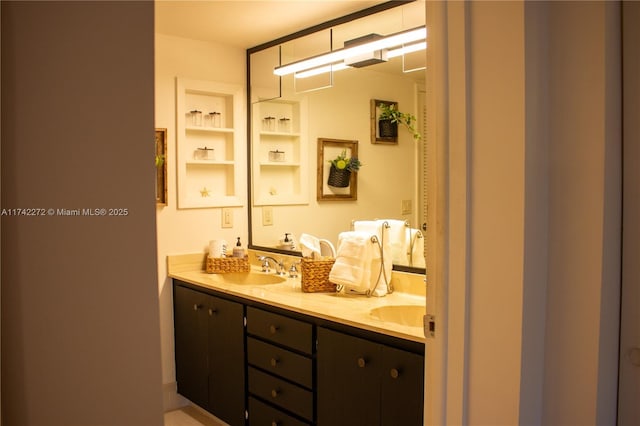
(310, 246)
(398, 240)
(417, 249)
(380, 279)
(352, 267)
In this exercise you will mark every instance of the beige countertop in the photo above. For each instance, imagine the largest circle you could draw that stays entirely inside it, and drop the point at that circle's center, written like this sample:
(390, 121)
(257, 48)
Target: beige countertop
(345, 309)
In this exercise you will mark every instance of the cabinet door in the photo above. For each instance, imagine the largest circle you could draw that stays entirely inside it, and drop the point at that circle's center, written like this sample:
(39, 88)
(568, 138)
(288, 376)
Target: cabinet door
(190, 325)
(348, 380)
(402, 388)
(226, 360)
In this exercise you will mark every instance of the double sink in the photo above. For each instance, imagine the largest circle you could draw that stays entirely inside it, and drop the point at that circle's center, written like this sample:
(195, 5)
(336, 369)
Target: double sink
(406, 315)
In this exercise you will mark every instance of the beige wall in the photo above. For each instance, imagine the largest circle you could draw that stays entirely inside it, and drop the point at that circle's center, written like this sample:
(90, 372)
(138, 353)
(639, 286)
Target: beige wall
(80, 332)
(188, 230)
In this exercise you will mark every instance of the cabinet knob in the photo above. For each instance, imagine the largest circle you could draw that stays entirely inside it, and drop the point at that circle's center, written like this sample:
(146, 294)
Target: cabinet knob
(274, 393)
(275, 423)
(361, 362)
(273, 329)
(394, 373)
(274, 362)
(212, 311)
(196, 306)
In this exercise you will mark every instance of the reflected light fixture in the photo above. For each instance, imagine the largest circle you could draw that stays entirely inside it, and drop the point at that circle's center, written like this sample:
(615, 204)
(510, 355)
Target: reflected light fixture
(334, 58)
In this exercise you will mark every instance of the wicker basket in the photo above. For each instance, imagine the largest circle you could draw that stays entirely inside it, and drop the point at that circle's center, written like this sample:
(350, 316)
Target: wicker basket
(220, 265)
(315, 275)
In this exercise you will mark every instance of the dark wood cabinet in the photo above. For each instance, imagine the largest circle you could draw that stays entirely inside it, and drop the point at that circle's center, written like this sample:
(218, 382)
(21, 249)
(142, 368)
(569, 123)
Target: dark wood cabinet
(209, 347)
(280, 368)
(365, 383)
(257, 365)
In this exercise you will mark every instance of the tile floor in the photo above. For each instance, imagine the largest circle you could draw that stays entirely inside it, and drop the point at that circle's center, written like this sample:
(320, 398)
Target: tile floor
(190, 416)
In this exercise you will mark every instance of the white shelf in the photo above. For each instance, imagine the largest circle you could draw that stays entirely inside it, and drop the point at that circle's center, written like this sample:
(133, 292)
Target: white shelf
(279, 164)
(209, 129)
(280, 134)
(210, 183)
(280, 182)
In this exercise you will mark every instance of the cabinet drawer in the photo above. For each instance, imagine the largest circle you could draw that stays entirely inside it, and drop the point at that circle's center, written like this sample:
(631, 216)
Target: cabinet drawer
(261, 414)
(280, 329)
(282, 362)
(284, 394)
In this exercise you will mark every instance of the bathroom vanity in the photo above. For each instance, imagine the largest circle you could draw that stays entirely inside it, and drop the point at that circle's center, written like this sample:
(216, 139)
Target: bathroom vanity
(264, 353)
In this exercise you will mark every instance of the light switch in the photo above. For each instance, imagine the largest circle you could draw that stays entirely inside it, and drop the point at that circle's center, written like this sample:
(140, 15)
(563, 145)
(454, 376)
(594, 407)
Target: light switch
(267, 216)
(227, 218)
(406, 207)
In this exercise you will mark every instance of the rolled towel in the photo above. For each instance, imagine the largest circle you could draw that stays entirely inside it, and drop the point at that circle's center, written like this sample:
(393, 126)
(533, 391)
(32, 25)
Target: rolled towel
(352, 267)
(310, 246)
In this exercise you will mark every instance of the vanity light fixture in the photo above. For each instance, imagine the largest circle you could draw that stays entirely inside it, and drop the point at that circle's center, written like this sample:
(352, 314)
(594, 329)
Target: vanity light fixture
(407, 49)
(322, 69)
(340, 55)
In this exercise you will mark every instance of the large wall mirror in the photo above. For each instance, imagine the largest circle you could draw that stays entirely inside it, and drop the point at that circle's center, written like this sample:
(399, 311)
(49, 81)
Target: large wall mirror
(290, 115)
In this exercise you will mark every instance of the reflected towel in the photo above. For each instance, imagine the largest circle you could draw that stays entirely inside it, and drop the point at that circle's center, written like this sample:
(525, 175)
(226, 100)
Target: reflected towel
(352, 267)
(416, 250)
(398, 240)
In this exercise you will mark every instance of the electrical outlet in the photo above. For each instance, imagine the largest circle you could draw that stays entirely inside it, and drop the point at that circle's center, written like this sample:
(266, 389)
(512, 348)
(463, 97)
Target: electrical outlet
(267, 216)
(227, 218)
(406, 207)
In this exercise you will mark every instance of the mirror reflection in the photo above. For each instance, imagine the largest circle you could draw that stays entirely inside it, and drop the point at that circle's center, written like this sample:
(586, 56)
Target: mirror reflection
(290, 116)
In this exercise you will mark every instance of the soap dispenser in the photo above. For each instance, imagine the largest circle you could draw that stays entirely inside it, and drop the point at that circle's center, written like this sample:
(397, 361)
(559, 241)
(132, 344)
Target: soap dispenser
(238, 251)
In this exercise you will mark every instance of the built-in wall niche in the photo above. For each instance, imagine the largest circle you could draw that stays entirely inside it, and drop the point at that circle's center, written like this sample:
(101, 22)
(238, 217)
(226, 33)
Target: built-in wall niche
(210, 143)
(280, 153)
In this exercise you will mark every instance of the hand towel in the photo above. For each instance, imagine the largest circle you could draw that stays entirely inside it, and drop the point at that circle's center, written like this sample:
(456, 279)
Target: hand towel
(310, 246)
(352, 267)
(398, 240)
(380, 277)
(417, 249)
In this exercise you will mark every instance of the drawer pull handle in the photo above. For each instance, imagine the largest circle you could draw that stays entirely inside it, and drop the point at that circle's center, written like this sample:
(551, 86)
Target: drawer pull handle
(273, 362)
(394, 373)
(361, 362)
(273, 329)
(274, 393)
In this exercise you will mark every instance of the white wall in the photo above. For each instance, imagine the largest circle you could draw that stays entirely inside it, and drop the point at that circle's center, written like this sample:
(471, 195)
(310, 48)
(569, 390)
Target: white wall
(532, 175)
(188, 230)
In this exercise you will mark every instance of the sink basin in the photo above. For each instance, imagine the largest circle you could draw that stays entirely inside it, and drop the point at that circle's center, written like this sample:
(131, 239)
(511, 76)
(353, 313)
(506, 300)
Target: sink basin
(248, 278)
(410, 315)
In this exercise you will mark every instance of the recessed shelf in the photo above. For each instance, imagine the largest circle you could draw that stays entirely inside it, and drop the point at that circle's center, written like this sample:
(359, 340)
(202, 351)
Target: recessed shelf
(280, 182)
(216, 182)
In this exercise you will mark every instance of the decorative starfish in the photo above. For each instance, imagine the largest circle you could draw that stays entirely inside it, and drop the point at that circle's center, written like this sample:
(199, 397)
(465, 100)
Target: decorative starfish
(204, 192)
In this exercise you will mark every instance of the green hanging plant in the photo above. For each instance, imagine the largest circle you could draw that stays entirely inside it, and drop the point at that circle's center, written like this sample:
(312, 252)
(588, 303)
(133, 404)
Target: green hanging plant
(390, 112)
(342, 162)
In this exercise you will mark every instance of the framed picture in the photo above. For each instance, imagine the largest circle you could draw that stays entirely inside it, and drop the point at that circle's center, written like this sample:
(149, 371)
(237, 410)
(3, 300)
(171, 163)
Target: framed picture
(337, 169)
(161, 167)
(382, 131)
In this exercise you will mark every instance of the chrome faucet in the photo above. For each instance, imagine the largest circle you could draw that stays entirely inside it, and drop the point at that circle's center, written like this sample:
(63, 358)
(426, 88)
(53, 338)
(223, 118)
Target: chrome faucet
(280, 269)
(293, 271)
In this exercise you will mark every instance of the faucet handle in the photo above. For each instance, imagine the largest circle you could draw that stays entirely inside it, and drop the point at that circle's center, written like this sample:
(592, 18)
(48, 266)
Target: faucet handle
(293, 271)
